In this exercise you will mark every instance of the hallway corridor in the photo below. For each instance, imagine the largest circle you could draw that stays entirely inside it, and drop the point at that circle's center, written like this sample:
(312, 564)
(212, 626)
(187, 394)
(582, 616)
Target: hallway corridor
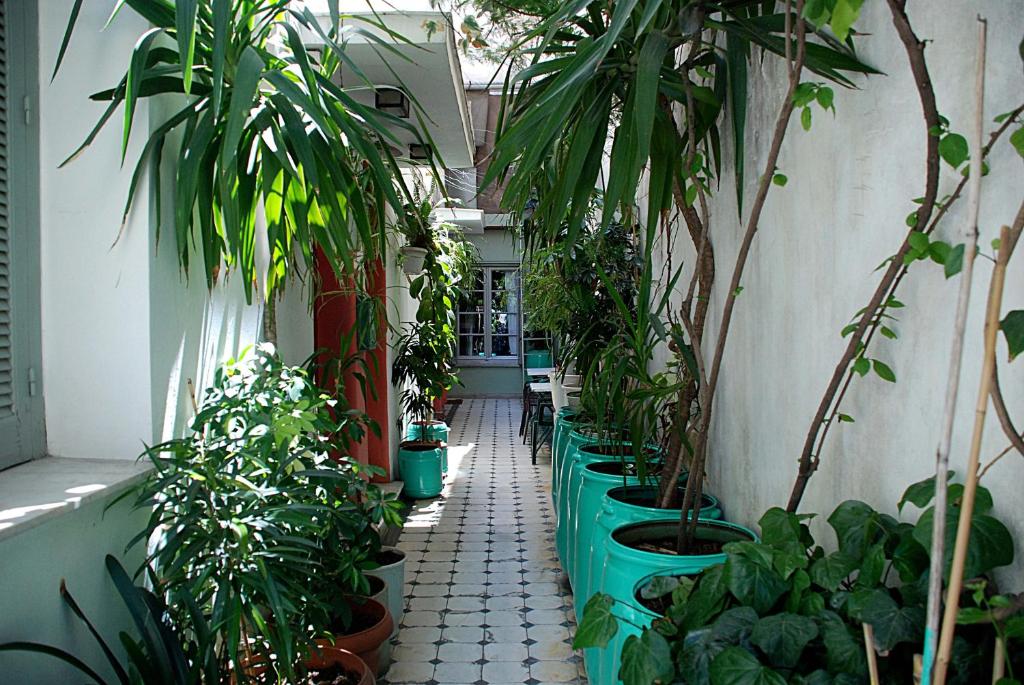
(486, 603)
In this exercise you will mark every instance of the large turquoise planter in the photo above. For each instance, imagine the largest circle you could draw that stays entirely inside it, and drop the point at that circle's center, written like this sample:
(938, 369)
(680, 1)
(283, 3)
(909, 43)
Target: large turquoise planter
(560, 445)
(419, 466)
(586, 455)
(576, 440)
(596, 479)
(621, 506)
(435, 431)
(626, 568)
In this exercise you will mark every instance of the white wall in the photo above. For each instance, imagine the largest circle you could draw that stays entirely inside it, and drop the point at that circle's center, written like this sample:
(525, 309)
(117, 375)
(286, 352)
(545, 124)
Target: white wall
(95, 313)
(851, 182)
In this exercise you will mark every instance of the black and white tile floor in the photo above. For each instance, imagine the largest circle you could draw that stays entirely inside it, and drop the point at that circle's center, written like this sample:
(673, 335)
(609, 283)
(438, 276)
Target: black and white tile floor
(486, 601)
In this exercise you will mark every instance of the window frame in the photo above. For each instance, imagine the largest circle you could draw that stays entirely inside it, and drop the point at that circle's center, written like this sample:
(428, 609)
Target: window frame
(488, 268)
(22, 433)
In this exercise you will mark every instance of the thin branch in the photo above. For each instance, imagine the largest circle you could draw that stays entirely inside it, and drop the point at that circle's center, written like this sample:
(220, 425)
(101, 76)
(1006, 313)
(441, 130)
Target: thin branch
(691, 499)
(926, 93)
(998, 403)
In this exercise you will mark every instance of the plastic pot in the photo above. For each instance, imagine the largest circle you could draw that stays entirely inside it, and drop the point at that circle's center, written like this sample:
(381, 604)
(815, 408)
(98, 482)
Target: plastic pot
(431, 431)
(626, 567)
(392, 572)
(564, 424)
(575, 441)
(419, 465)
(371, 627)
(412, 264)
(621, 506)
(585, 455)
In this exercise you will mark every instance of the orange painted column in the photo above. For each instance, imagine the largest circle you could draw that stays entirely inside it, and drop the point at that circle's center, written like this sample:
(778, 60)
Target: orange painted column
(334, 320)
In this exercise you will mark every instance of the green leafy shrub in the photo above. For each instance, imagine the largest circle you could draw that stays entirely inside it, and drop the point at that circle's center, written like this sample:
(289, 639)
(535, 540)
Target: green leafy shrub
(254, 519)
(785, 611)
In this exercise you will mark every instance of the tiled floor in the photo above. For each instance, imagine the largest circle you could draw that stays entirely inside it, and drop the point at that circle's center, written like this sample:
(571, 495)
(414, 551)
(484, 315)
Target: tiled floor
(486, 602)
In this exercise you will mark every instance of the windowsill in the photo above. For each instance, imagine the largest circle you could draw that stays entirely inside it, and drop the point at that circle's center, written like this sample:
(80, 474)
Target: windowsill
(36, 491)
(483, 362)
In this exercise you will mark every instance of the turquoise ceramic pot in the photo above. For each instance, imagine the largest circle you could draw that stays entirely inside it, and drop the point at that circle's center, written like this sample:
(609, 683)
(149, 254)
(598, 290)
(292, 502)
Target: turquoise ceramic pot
(620, 506)
(576, 440)
(586, 455)
(596, 479)
(436, 431)
(564, 424)
(419, 466)
(626, 567)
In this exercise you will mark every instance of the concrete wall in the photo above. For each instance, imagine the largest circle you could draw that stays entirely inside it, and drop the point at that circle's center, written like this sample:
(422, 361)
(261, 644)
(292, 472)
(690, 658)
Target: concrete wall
(32, 565)
(851, 182)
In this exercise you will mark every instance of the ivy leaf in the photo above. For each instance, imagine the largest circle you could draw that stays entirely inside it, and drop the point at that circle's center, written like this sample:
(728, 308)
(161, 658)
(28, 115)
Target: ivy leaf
(953, 149)
(862, 366)
(831, 570)
(706, 601)
(954, 261)
(780, 179)
(1012, 326)
(883, 371)
(782, 530)
(921, 493)
(783, 637)
(872, 566)
(752, 580)
(805, 118)
(893, 623)
(737, 666)
(858, 526)
(1017, 140)
(825, 97)
(659, 586)
(843, 652)
(918, 241)
(599, 624)
(990, 545)
(646, 659)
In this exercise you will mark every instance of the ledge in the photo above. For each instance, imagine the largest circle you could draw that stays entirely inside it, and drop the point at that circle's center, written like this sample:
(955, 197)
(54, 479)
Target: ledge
(37, 491)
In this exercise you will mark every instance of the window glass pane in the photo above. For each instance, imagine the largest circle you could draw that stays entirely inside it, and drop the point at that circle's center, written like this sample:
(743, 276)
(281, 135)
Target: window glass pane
(471, 323)
(472, 301)
(503, 279)
(471, 345)
(504, 345)
(505, 301)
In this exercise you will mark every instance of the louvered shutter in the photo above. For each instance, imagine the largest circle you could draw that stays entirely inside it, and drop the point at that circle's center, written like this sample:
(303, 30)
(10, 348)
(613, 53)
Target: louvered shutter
(21, 409)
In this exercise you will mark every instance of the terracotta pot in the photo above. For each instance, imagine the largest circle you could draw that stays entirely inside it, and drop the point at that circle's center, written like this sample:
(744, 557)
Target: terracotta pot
(321, 656)
(373, 625)
(335, 656)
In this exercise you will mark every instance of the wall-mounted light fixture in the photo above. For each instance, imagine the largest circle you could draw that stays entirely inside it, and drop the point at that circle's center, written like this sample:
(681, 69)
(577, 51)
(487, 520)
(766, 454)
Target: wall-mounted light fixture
(392, 101)
(419, 152)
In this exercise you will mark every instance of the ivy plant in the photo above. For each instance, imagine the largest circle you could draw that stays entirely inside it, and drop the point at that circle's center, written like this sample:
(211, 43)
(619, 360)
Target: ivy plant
(787, 611)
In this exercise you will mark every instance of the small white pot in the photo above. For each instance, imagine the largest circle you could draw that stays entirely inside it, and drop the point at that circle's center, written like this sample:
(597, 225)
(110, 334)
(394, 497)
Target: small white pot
(412, 264)
(557, 391)
(393, 575)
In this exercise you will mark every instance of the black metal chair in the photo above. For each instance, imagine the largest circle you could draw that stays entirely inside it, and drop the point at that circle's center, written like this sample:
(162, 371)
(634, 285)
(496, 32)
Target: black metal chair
(541, 429)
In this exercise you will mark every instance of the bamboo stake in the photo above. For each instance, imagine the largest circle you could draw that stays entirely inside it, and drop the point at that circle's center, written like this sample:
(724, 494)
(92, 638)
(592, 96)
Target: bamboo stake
(963, 531)
(999, 660)
(869, 648)
(938, 552)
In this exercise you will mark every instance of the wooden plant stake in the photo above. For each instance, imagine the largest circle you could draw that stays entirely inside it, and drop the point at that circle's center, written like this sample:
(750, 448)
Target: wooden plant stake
(999, 660)
(938, 552)
(963, 531)
(869, 649)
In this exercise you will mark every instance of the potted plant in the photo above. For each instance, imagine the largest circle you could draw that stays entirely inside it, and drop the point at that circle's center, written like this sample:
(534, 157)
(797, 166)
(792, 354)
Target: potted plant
(788, 611)
(389, 565)
(250, 506)
(415, 226)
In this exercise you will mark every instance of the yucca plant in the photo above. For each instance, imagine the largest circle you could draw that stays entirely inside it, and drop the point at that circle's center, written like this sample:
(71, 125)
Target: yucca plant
(264, 129)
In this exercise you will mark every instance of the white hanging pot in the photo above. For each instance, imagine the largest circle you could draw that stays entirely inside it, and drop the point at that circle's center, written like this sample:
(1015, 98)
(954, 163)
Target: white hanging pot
(412, 262)
(557, 391)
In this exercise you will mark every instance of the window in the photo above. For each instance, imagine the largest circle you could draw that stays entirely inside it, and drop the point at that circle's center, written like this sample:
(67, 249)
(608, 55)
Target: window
(489, 317)
(21, 410)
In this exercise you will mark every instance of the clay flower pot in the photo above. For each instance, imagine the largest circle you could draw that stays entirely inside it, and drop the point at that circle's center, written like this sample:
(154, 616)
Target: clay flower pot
(371, 627)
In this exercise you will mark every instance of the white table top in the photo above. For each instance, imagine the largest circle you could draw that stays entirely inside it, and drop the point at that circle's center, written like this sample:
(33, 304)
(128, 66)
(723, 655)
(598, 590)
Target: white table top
(540, 387)
(539, 371)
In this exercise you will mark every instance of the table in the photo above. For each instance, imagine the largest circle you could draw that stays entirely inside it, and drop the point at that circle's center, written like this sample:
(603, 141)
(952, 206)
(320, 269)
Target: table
(539, 371)
(540, 387)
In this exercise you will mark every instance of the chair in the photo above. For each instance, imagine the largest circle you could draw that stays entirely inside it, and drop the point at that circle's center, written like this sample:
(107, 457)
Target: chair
(542, 425)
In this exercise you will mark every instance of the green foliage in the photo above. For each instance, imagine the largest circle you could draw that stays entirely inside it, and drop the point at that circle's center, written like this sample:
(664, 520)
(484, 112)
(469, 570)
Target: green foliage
(257, 126)
(609, 73)
(784, 611)
(253, 518)
(158, 653)
(568, 293)
(424, 365)
(1012, 327)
